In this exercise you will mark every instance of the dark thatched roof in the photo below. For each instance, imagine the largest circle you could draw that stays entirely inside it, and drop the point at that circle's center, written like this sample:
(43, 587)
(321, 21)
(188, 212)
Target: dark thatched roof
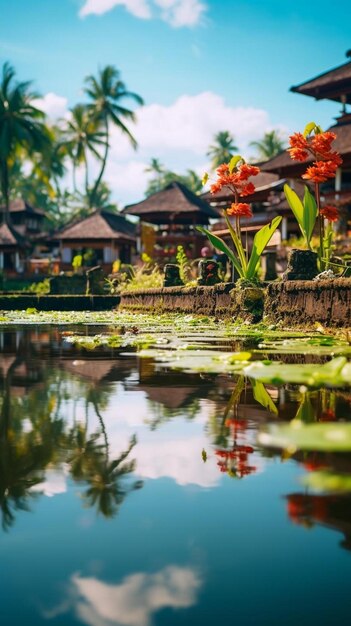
(329, 85)
(99, 225)
(10, 237)
(175, 199)
(19, 206)
(284, 166)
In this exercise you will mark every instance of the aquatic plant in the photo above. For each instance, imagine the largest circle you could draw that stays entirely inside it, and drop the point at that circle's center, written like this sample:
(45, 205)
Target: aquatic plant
(318, 144)
(236, 176)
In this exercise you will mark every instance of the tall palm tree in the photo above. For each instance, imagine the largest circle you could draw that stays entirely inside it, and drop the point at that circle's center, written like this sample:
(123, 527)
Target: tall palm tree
(82, 135)
(269, 146)
(106, 93)
(22, 127)
(155, 167)
(223, 149)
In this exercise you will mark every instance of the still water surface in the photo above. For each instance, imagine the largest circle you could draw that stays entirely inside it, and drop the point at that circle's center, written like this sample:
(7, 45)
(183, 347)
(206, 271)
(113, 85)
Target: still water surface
(133, 497)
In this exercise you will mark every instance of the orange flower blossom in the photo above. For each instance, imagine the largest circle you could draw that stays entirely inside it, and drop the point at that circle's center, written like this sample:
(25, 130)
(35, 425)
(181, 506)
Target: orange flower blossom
(240, 209)
(237, 180)
(326, 160)
(330, 213)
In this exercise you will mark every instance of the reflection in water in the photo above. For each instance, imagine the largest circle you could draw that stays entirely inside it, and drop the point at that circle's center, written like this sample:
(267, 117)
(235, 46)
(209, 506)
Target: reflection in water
(98, 422)
(134, 601)
(37, 444)
(328, 510)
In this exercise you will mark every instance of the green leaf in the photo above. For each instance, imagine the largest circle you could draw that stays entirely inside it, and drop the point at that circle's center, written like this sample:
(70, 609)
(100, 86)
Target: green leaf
(327, 481)
(237, 243)
(205, 178)
(296, 207)
(325, 437)
(310, 214)
(309, 128)
(335, 373)
(219, 244)
(234, 162)
(262, 396)
(261, 240)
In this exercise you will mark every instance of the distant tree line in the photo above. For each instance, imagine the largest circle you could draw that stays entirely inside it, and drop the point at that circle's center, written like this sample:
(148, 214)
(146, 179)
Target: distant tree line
(36, 155)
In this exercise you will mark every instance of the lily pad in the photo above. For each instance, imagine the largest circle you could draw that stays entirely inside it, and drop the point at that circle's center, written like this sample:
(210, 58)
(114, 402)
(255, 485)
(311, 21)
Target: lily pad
(335, 373)
(334, 437)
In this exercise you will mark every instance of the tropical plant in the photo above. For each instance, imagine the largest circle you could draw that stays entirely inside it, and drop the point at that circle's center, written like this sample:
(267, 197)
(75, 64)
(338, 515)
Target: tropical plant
(269, 146)
(106, 93)
(222, 150)
(318, 144)
(22, 128)
(145, 276)
(235, 176)
(82, 136)
(190, 179)
(183, 264)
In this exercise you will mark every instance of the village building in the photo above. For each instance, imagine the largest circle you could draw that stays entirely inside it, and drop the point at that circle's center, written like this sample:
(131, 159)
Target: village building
(101, 238)
(19, 236)
(169, 219)
(333, 85)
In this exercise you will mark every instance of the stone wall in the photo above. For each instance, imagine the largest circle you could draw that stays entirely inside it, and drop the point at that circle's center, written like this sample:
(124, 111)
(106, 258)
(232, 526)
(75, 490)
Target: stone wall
(301, 303)
(213, 300)
(295, 303)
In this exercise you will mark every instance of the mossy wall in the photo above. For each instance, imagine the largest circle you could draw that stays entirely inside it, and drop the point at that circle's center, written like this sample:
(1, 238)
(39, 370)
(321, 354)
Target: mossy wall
(294, 303)
(305, 302)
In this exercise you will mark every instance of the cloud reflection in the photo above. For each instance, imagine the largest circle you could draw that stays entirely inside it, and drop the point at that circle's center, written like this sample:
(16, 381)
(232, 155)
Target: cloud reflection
(134, 601)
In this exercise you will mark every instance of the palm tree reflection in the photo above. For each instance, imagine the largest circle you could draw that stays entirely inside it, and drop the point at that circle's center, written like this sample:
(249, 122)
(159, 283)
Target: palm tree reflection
(34, 437)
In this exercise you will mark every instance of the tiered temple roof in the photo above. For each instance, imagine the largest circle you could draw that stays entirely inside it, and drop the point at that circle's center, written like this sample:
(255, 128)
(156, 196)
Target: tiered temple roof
(332, 85)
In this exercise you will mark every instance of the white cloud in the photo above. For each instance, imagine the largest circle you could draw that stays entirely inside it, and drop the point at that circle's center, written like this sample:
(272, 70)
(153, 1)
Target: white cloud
(180, 13)
(177, 13)
(132, 602)
(54, 483)
(178, 134)
(138, 8)
(53, 105)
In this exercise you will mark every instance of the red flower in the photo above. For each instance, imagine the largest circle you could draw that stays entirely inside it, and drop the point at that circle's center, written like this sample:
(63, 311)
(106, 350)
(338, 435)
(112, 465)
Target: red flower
(321, 144)
(236, 180)
(330, 213)
(240, 209)
(246, 170)
(320, 147)
(321, 171)
(247, 190)
(299, 147)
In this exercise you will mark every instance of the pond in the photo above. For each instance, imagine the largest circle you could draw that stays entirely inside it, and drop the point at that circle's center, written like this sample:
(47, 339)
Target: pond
(139, 491)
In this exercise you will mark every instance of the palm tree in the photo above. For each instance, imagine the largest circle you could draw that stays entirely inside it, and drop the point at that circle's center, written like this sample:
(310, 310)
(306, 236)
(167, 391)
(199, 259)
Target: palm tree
(106, 93)
(106, 490)
(269, 146)
(223, 149)
(82, 136)
(155, 167)
(22, 128)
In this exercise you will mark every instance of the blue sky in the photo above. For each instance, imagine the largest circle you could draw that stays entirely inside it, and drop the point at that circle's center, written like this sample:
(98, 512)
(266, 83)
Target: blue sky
(201, 66)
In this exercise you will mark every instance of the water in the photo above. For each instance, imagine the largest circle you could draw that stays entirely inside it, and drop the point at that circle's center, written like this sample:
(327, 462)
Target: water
(132, 496)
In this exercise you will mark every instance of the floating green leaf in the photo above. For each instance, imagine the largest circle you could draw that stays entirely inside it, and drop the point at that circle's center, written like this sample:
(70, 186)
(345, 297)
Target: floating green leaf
(327, 481)
(335, 437)
(336, 373)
